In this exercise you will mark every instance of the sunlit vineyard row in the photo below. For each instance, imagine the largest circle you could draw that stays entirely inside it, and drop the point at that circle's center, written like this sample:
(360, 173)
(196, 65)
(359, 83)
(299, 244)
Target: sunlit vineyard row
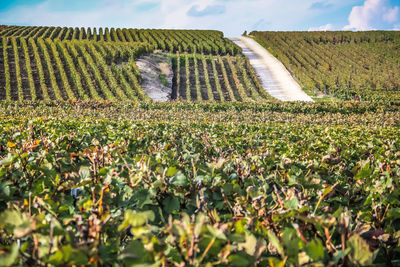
(359, 65)
(215, 78)
(37, 69)
(192, 41)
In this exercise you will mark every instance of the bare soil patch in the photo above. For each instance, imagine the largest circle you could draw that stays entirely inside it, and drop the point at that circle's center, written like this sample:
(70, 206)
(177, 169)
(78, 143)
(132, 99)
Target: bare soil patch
(154, 69)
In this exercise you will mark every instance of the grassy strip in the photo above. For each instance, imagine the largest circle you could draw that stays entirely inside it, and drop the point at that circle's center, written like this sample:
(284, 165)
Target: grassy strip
(60, 67)
(76, 78)
(187, 71)
(226, 79)
(28, 68)
(210, 94)
(197, 78)
(216, 79)
(17, 69)
(7, 88)
(50, 69)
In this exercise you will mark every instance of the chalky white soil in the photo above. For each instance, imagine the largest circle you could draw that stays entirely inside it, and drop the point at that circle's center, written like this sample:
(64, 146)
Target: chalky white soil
(151, 67)
(274, 77)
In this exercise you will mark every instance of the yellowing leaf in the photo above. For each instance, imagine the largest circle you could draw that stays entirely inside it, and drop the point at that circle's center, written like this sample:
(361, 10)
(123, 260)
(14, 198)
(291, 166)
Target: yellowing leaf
(274, 262)
(11, 144)
(273, 239)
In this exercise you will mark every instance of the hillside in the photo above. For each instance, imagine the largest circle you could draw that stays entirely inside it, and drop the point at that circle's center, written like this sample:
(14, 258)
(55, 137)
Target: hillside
(347, 65)
(37, 69)
(77, 64)
(167, 40)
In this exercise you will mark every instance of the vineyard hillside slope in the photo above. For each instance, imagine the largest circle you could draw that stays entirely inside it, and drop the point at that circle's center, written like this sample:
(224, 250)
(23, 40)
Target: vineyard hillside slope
(362, 66)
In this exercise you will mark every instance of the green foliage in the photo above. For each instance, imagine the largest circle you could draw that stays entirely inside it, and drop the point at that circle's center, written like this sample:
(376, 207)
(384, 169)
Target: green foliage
(163, 79)
(349, 65)
(199, 184)
(98, 70)
(192, 41)
(73, 70)
(359, 253)
(210, 78)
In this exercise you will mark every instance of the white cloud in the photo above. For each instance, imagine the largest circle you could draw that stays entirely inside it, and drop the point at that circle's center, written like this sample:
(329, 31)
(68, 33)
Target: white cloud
(323, 28)
(392, 15)
(211, 10)
(372, 14)
(233, 16)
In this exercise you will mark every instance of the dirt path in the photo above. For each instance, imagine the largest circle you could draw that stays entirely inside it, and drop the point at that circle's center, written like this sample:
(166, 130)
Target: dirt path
(157, 76)
(274, 77)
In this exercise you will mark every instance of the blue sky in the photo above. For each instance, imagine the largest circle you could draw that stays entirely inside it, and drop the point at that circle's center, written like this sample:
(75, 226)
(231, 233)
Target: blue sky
(230, 16)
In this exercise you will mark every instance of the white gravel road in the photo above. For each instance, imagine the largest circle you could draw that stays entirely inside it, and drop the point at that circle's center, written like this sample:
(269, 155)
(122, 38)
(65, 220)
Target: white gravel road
(274, 77)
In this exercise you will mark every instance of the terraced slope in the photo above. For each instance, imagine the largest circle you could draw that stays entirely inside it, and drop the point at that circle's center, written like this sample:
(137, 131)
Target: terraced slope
(348, 65)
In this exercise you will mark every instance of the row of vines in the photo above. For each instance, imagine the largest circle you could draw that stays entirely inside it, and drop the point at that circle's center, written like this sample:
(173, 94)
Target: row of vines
(347, 65)
(42, 69)
(216, 78)
(191, 41)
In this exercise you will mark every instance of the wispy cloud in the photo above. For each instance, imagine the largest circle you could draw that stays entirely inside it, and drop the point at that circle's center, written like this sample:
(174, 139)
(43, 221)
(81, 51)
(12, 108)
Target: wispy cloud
(323, 28)
(260, 25)
(321, 5)
(147, 6)
(391, 15)
(196, 11)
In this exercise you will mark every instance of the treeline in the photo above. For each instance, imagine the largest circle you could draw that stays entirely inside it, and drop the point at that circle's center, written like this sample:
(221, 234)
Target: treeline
(191, 41)
(348, 65)
(42, 69)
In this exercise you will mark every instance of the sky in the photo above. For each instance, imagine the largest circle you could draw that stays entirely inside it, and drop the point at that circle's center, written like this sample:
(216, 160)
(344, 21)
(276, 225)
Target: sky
(232, 17)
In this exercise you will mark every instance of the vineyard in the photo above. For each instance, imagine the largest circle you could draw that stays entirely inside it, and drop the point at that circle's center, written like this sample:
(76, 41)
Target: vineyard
(198, 184)
(95, 173)
(216, 78)
(53, 70)
(43, 69)
(359, 65)
(191, 41)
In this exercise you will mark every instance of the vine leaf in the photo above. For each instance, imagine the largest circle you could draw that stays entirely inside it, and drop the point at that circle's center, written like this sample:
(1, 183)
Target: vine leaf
(359, 251)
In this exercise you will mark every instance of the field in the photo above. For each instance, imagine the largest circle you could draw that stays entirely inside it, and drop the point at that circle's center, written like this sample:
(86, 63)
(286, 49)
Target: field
(93, 172)
(61, 64)
(348, 65)
(208, 42)
(216, 78)
(46, 70)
